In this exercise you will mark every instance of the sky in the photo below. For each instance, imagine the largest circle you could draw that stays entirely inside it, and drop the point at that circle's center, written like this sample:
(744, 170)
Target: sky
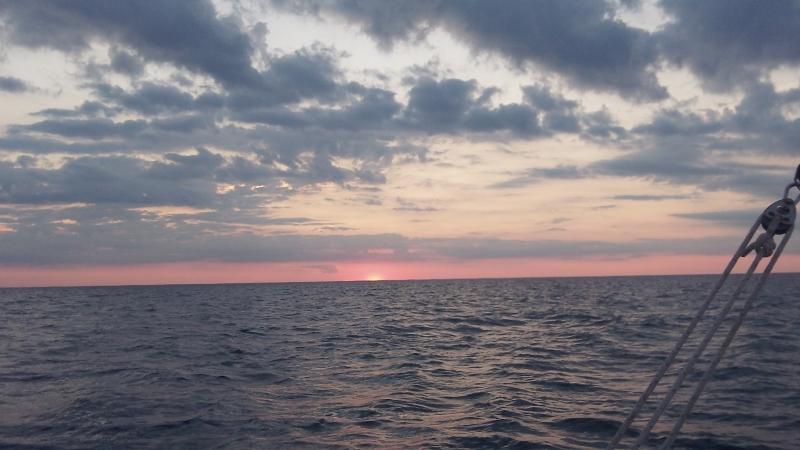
(209, 141)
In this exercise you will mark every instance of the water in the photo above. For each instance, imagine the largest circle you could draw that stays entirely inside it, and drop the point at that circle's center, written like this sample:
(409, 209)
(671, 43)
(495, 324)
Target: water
(529, 363)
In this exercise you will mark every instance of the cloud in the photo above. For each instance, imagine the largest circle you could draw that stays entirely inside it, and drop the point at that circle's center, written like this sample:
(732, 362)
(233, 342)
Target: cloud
(728, 42)
(202, 164)
(678, 123)
(560, 114)
(92, 235)
(182, 180)
(119, 180)
(87, 128)
(662, 164)
(306, 73)
(406, 205)
(451, 105)
(324, 268)
(200, 40)
(649, 198)
(88, 108)
(439, 104)
(758, 123)
(125, 62)
(600, 126)
(434, 107)
(535, 175)
(467, 248)
(154, 98)
(687, 147)
(740, 218)
(360, 108)
(240, 126)
(13, 85)
(345, 120)
(582, 41)
(111, 235)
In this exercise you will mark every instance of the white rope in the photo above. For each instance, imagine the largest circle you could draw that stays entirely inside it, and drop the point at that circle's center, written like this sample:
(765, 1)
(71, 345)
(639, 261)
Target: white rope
(764, 245)
(710, 371)
(706, 340)
(681, 341)
(645, 433)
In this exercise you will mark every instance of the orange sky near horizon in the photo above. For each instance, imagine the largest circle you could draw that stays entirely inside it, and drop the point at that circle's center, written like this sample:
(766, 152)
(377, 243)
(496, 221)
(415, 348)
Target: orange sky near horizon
(219, 272)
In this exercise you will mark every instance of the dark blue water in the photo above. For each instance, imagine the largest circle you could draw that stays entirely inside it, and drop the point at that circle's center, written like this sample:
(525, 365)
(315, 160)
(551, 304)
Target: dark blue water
(529, 363)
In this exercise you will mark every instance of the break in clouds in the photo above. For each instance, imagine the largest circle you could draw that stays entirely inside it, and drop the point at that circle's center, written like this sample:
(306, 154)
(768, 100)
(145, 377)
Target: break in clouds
(183, 129)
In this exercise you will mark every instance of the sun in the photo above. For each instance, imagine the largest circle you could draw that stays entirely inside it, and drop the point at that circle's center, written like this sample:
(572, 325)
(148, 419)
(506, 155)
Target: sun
(374, 277)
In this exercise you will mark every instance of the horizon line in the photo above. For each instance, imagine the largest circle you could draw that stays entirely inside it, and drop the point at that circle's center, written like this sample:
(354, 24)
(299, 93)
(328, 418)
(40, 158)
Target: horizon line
(377, 281)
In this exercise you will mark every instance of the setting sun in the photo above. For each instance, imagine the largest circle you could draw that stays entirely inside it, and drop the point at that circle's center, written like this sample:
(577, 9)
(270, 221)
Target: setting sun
(374, 277)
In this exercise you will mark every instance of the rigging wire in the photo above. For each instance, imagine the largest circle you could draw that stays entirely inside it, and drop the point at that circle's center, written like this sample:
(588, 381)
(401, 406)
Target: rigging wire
(778, 218)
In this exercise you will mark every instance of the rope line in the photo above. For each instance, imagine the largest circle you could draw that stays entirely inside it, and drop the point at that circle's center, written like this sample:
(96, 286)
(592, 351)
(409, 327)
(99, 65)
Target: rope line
(703, 345)
(681, 341)
(707, 376)
(778, 218)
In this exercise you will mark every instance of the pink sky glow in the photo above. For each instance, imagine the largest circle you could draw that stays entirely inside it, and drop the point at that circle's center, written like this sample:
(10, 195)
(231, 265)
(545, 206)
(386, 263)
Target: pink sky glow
(215, 272)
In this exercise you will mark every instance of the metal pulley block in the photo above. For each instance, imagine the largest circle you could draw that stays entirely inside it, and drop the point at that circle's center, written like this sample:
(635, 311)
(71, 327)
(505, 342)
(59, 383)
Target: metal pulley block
(784, 208)
(764, 245)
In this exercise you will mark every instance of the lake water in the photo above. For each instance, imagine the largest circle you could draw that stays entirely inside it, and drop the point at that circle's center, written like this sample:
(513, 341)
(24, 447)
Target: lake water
(522, 363)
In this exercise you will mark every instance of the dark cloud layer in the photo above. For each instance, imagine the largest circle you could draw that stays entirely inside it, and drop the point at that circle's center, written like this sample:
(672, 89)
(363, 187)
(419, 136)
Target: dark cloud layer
(536, 175)
(577, 39)
(683, 146)
(119, 180)
(729, 41)
(451, 105)
(179, 180)
(739, 218)
(110, 235)
(698, 148)
(650, 198)
(199, 41)
(13, 85)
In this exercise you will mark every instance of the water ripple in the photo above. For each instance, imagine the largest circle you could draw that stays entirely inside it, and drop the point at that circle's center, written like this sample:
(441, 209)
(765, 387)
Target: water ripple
(513, 364)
